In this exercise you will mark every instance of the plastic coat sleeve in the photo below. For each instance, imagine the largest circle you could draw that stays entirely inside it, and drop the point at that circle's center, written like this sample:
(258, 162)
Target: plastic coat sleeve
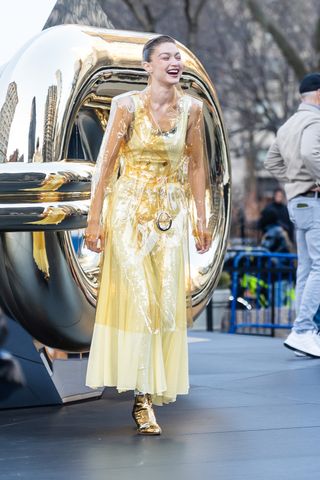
(105, 170)
(196, 154)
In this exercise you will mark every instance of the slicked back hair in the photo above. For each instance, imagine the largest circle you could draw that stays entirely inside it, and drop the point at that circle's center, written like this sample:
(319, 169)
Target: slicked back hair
(150, 46)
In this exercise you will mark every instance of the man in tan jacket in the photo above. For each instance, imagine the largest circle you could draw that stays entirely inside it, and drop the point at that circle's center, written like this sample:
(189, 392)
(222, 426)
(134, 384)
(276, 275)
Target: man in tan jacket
(294, 159)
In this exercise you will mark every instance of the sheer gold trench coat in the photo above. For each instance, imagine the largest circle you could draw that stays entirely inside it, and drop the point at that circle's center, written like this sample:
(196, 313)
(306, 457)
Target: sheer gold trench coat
(146, 179)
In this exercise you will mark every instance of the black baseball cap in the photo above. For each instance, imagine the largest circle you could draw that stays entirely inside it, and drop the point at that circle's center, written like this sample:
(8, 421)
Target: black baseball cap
(310, 83)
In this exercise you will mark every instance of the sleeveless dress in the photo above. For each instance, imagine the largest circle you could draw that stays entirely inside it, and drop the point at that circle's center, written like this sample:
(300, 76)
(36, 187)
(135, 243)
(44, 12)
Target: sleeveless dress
(140, 333)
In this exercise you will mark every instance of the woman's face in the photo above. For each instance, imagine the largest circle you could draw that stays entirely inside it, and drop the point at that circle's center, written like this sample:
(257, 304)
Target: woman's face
(165, 65)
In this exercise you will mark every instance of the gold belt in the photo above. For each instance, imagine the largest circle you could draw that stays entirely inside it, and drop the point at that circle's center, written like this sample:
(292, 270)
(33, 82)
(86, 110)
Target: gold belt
(153, 179)
(163, 218)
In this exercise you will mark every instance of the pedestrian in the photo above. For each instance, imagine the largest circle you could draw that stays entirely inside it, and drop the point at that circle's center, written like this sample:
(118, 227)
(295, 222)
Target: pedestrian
(150, 164)
(294, 158)
(276, 209)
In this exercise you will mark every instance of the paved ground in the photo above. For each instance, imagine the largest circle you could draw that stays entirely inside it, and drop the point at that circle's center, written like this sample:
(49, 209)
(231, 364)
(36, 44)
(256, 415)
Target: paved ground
(253, 413)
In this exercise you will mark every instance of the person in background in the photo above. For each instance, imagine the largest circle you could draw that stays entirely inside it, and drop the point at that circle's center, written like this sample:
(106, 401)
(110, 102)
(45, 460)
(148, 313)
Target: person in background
(294, 159)
(275, 237)
(276, 209)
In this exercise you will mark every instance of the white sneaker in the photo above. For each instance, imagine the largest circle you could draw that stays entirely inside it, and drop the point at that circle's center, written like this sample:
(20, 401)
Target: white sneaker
(300, 354)
(307, 342)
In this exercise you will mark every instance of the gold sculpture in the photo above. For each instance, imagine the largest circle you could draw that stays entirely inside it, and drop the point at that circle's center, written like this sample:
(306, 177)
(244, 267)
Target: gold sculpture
(48, 147)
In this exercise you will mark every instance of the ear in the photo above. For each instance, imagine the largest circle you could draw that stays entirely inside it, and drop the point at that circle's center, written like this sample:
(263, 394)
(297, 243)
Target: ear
(147, 67)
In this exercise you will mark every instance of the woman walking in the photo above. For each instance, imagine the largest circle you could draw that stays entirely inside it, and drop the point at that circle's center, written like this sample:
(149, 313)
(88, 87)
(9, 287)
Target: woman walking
(149, 171)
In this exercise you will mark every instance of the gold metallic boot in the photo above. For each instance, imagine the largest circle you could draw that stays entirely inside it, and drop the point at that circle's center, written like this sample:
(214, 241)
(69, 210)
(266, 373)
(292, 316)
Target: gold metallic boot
(144, 416)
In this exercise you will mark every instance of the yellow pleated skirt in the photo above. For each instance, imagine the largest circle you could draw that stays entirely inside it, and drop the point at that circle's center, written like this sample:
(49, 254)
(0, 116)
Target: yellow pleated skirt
(139, 339)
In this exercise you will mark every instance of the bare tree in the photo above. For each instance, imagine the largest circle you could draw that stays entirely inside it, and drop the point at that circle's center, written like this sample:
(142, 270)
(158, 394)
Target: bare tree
(81, 12)
(192, 16)
(145, 13)
(290, 52)
(270, 25)
(181, 18)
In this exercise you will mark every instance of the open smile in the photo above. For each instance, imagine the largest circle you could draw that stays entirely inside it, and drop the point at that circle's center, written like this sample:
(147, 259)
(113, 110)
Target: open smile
(173, 72)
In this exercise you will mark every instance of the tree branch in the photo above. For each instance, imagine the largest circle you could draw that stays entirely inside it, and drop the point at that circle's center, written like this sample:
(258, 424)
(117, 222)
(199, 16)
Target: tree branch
(290, 54)
(199, 8)
(146, 23)
(192, 21)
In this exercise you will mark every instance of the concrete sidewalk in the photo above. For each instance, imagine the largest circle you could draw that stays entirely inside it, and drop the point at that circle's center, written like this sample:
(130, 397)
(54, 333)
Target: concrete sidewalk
(253, 412)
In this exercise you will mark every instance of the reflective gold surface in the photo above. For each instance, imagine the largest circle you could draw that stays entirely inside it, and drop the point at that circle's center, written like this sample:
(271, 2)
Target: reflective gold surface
(54, 105)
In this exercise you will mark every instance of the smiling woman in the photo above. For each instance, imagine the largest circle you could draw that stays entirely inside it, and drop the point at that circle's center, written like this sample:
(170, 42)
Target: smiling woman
(151, 164)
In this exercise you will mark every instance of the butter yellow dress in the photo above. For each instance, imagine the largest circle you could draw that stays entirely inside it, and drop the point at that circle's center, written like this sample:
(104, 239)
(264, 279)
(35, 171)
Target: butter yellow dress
(142, 177)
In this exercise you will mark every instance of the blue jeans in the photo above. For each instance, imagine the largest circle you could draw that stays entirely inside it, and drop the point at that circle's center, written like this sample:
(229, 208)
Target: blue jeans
(304, 212)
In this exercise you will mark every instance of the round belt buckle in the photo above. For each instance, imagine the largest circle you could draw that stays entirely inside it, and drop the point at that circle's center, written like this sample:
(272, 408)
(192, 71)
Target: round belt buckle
(163, 221)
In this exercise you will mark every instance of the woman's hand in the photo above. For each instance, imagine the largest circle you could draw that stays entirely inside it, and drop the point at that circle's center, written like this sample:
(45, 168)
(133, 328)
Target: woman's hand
(203, 237)
(94, 237)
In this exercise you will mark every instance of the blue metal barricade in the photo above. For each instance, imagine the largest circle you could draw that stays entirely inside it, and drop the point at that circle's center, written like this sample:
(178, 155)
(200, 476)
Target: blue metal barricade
(263, 285)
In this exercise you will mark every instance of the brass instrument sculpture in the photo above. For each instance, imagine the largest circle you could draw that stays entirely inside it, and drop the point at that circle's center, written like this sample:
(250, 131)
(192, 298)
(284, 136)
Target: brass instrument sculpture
(55, 96)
